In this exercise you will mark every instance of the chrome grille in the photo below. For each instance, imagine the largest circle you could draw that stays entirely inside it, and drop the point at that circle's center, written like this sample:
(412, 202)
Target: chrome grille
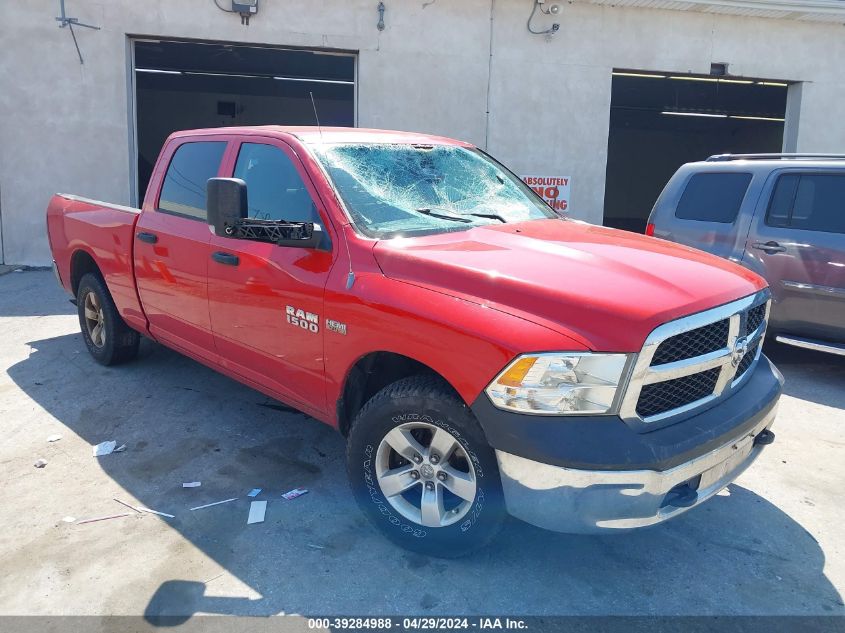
(660, 397)
(692, 361)
(746, 361)
(696, 342)
(756, 315)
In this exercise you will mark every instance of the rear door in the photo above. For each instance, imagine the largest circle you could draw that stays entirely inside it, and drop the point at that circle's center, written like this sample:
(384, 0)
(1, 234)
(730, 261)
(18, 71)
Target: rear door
(171, 246)
(702, 210)
(266, 301)
(797, 242)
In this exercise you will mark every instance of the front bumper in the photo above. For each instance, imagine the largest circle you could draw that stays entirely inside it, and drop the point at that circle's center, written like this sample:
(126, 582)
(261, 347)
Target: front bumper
(594, 474)
(585, 501)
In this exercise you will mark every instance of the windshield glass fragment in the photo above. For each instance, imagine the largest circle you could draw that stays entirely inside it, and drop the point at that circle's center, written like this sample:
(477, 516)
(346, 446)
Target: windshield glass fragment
(399, 189)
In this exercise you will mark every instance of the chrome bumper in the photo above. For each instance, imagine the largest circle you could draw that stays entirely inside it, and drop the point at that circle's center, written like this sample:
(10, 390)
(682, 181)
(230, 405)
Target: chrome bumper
(589, 501)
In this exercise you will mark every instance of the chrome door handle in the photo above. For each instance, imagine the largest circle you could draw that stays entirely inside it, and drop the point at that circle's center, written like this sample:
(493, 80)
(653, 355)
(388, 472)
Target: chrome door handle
(770, 248)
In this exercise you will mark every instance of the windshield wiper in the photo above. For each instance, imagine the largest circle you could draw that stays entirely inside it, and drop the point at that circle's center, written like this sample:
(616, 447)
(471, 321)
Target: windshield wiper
(445, 216)
(492, 216)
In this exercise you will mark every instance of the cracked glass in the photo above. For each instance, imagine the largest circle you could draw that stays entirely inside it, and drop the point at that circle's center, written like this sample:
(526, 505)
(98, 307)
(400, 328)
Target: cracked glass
(393, 190)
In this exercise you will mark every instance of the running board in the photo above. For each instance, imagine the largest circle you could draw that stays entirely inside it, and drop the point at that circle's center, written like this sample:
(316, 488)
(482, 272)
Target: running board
(818, 346)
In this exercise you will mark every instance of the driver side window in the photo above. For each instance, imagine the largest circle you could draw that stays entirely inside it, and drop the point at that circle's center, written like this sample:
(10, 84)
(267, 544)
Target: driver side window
(275, 190)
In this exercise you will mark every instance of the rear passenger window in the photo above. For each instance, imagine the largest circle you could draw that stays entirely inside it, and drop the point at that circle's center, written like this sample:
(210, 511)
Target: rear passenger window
(183, 190)
(713, 197)
(274, 189)
(783, 197)
(812, 202)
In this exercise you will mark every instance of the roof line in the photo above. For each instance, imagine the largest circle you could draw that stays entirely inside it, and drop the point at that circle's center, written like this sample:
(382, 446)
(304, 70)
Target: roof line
(800, 8)
(796, 6)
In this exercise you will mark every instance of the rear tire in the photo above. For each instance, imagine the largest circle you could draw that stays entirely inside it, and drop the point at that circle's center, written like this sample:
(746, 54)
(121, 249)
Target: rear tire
(417, 441)
(107, 337)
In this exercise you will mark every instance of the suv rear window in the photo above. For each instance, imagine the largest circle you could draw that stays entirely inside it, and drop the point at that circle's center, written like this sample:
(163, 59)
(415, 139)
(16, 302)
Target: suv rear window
(713, 197)
(812, 202)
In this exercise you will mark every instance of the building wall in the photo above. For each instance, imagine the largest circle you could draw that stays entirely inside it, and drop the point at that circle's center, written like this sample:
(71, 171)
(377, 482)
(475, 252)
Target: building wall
(66, 126)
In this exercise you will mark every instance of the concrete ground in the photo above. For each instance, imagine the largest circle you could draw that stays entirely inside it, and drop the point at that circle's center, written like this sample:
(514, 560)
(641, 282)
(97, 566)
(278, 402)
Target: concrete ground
(773, 545)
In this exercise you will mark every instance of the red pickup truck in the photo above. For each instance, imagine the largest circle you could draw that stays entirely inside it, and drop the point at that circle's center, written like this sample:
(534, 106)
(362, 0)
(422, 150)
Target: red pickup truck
(482, 355)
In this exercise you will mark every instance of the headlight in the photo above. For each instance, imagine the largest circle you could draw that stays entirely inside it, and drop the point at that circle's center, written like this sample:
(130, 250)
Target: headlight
(559, 383)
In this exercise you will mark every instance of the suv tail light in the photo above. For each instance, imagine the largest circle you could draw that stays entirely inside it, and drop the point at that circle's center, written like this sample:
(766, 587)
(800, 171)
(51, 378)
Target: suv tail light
(649, 228)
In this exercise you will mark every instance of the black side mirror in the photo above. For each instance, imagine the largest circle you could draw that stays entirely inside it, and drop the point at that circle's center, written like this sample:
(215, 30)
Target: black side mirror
(226, 204)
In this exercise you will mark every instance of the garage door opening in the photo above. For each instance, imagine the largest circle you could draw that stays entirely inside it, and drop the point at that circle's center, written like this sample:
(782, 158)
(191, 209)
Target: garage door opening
(184, 85)
(660, 121)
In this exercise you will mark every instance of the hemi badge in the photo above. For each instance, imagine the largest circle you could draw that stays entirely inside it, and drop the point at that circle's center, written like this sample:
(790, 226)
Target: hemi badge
(336, 326)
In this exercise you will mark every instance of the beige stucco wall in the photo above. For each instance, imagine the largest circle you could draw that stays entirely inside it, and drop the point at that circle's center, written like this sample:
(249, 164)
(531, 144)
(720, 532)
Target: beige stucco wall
(66, 127)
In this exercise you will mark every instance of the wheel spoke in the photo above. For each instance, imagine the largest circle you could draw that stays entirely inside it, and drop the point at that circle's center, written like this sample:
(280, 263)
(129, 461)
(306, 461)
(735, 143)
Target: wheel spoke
(459, 483)
(431, 507)
(91, 314)
(94, 301)
(443, 444)
(403, 442)
(397, 481)
(96, 334)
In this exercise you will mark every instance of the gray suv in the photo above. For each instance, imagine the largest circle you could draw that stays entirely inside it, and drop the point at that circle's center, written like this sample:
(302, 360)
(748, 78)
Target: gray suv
(780, 215)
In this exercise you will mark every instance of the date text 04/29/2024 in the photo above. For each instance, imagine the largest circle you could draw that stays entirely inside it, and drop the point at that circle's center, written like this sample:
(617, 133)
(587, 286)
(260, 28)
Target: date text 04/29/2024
(425, 623)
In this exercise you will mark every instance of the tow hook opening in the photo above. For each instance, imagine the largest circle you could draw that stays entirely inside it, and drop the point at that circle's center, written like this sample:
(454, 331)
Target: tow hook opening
(684, 495)
(764, 438)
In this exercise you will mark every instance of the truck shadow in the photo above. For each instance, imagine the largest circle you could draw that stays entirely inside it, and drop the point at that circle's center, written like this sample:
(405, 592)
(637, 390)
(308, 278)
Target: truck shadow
(738, 554)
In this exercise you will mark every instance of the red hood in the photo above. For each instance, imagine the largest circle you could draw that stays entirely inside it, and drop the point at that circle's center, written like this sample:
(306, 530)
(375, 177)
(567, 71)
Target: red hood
(606, 288)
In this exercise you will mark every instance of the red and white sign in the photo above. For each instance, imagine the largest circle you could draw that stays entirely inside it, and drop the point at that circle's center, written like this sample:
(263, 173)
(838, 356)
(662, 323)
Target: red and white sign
(555, 190)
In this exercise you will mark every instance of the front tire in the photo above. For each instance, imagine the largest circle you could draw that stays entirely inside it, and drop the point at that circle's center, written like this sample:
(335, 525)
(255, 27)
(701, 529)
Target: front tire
(107, 337)
(422, 471)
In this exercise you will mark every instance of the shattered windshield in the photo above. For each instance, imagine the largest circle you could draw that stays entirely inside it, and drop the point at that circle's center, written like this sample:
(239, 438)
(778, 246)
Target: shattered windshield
(398, 189)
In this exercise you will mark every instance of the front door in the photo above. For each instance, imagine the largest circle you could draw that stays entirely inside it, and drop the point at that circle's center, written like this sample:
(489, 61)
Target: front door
(171, 248)
(266, 301)
(797, 242)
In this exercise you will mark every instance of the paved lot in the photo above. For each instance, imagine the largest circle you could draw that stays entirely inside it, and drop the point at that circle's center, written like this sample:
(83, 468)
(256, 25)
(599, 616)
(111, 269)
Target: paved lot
(773, 545)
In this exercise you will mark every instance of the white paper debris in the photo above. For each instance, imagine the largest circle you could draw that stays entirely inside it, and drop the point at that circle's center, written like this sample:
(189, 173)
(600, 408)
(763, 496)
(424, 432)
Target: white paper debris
(104, 448)
(254, 492)
(41, 463)
(120, 449)
(192, 484)
(54, 438)
(69, 519)
(293, 494)
(257, 509)
(216, 503)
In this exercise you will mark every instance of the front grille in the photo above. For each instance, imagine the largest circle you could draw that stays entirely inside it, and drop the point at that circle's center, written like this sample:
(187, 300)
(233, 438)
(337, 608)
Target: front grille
(661, 397)
(696, 342)
(692, 359)
(746, 361)
(755, 318)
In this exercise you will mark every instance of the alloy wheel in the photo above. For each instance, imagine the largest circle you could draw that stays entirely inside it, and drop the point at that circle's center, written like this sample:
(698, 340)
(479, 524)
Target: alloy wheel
(425, 474)
(94, 319)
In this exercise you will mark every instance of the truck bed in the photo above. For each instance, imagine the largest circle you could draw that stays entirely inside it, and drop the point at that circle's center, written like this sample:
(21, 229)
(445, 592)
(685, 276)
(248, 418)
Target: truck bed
(82, 230)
